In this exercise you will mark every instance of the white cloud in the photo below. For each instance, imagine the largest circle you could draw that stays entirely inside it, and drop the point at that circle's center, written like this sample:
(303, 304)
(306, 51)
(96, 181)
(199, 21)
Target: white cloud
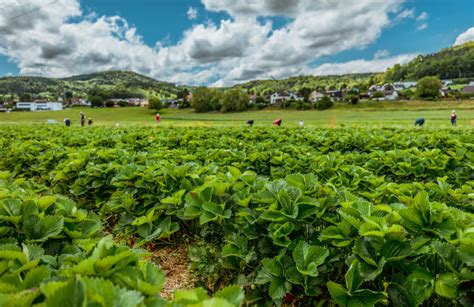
(423, 16)
(58, 40)
(465, 37)
(406, 14)
(381, 54)
(192, 13)
(422, 26)
(421, 21)
(360, 66)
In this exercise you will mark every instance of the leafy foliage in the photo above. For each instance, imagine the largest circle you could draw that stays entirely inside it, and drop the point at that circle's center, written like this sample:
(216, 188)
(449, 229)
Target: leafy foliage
(341, 216)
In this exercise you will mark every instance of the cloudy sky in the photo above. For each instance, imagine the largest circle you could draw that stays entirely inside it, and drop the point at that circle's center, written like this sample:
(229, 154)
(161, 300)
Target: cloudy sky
(223, 42)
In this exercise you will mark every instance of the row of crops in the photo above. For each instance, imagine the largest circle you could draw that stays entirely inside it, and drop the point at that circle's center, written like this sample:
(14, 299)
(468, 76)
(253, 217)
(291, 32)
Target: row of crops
(271, 216)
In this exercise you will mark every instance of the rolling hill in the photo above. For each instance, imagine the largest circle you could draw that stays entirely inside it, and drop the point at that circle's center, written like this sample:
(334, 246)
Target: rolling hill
(117, 81)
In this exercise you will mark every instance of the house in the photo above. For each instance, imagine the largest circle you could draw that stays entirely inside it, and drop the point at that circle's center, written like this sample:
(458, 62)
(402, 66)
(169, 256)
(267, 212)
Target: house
(334, 95)
(276, 98)
(468, 90)
(391, 95)
(252, 99)
(39, 106)
(171, 103)
(399, 86)
(315, 96)
(390, 91)
(294, 96)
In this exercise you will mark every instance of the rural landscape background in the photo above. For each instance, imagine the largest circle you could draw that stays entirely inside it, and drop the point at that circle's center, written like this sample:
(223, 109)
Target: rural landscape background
(236, 153)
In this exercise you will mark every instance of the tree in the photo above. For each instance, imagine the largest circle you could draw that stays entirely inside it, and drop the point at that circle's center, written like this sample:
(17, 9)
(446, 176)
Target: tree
(378, 94)
(260, 102)
(25, 97)
(428, 88)
(234, 100)
(109, 104)
(123, 103)
(352, 99)
(201, 101)
(324, 103)
(68, 95)
(154, 103)
(183, 94)
(406, 94)
(305, 92)
(215, 103)
(96, 101)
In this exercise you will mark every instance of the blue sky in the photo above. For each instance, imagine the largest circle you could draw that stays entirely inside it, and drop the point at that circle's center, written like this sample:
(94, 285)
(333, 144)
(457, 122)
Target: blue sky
(223, 42)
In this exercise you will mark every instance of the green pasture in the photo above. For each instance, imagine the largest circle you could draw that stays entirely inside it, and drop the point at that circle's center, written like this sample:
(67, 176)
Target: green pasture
(370, 114)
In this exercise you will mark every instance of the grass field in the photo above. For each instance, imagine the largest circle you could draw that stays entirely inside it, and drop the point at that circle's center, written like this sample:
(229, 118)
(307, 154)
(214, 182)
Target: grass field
(370, 114)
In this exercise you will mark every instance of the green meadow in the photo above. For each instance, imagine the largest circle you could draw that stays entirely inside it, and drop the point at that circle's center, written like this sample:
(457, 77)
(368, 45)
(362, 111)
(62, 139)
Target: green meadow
(370, 114)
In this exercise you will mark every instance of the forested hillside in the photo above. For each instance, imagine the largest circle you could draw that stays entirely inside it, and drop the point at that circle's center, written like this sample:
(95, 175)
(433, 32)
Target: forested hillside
(302, 83)
(449, 63)
(122, 83)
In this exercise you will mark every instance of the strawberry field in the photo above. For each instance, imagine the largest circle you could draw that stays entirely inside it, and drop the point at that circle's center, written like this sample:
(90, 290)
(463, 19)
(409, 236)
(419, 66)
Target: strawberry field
(324, 217)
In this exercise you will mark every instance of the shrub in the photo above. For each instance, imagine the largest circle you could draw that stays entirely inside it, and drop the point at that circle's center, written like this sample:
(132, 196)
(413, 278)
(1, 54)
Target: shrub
(154, 103)
(428, 88)
(96, 101)
(324, 103)
(123, 103)
(109, 104)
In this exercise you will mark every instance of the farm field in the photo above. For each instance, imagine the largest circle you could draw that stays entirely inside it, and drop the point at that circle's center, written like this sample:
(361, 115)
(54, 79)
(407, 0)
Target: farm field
(350, 216)
(365, 114)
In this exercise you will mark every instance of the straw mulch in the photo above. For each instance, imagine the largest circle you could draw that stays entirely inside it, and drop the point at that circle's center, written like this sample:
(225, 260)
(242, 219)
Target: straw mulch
(173, 261)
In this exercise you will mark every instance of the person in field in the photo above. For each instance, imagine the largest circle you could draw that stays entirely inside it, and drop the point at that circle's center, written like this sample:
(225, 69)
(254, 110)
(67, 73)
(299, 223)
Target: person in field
(454, 118)
(250, 123)
(67, 122)
(277, 122)
(158, 118)
(83, 119)
(301, 123)
(419, 122)
(90, 122)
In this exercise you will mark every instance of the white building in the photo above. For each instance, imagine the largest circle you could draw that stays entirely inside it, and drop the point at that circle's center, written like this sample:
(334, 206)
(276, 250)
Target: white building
(39, 106)
(315, 96)
(279, 98)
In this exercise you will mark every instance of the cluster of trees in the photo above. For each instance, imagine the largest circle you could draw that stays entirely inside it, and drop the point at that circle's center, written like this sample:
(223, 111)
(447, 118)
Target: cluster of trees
(101, 96)
(207, 99)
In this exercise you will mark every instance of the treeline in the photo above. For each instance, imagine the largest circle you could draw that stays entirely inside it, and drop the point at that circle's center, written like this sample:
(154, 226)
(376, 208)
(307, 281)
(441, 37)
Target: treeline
(300, 84)
(207, 100)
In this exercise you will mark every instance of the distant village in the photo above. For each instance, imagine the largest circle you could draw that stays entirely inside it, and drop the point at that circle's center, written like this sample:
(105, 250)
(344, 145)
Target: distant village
(387, 92)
